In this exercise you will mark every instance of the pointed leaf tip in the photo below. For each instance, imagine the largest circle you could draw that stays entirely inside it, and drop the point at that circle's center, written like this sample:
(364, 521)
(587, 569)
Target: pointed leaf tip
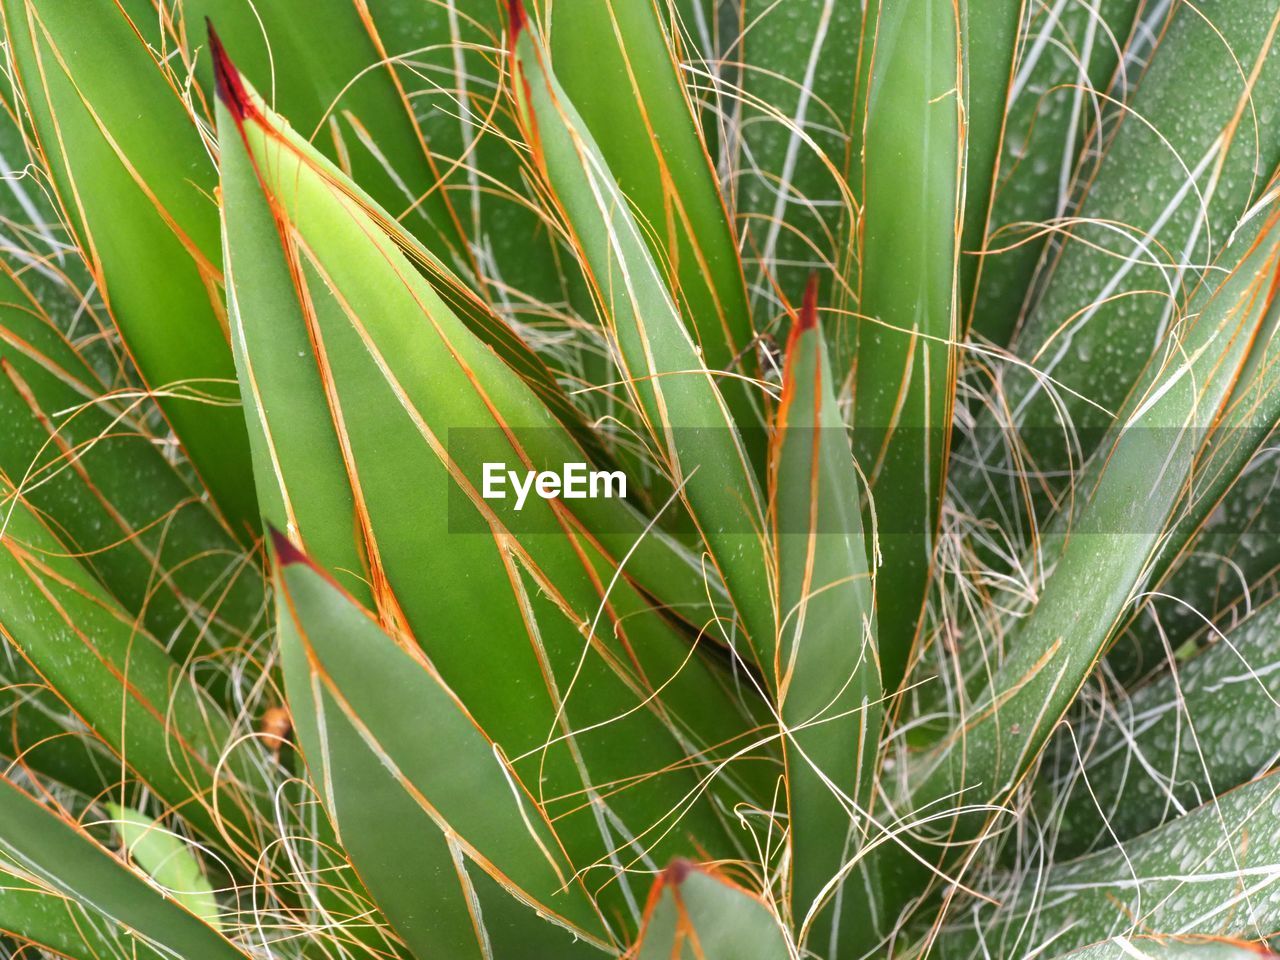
(677, 872)
(286, 551)
(229, 85)
(808, 317)
(517, 16)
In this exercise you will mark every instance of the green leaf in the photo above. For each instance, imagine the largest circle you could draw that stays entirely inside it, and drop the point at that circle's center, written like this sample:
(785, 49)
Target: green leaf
(40, 249)
(991, 40)
(168, 860)
(42, 735)
(133, 179)
(1177, 742)
(616, 66)
(1221, 457)
(301, 465)
(1190, 157)
(700, 36)
(59, 923)
(1215, 871)
(469, 834)
(1055, 134)
(803, 85)
(1228, 569)
(828, 673)
(1169, 948)
(684, 413)
(457, 92)
(693, 914)
(1223, 504)
(374, 410)
(383, 149)
(904, 375)
(62, 889)
(347, 99)
(1103, 547)
(83, 455)
(120, 682)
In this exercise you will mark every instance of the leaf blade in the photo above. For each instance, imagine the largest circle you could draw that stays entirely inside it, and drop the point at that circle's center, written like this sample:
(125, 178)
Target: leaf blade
(1213, 871)
(61, 855)
(830, 693)
(904, 345)
(566, 587)
(693, 914)
(132, 174)
(615, 63)
(682, 408)
(458, 789)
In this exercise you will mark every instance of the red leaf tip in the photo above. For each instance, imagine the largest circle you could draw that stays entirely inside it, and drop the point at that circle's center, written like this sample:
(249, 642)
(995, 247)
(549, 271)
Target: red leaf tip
(227, 79)
(808, 316)
(677, 872)
(517, 16)
(287, 552)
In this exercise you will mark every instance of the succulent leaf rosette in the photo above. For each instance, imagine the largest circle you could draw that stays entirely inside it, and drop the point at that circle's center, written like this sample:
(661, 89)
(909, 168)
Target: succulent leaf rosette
(649, 479)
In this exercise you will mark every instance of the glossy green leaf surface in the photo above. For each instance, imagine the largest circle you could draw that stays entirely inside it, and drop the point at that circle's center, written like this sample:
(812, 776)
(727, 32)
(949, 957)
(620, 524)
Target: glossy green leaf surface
(447, 62)
(118, 679)
(1239, 531)
(345, 97)
(1223, 515)
(1066, 85)
(573, 649)
(376, 138)
(827, 665)
(135, 180)
(693, 914)
(683, 411)
(167, 860)
(803, 83)
(616, 66)
(471, 817)
(1179, 741)
(1103, 546)
(1212, 509)
(1212, 872)
(904, 373)
(618, 609)
(84, 887)
(85, 456)
(992, 30)
(59, 923)
(1166, 201)
(41, 734)
(304, 462)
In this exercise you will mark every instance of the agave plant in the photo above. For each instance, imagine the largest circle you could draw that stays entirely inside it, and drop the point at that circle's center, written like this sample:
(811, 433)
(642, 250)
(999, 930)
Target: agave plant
(728, 479)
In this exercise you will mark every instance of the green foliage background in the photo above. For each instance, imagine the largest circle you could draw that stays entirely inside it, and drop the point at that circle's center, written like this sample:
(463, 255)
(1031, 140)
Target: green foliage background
(936, 337)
